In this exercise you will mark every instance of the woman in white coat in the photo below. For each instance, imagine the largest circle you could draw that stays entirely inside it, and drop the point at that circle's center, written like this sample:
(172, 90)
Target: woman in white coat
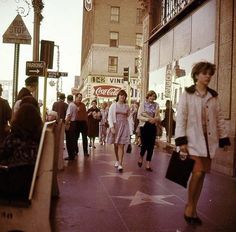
(200, 129)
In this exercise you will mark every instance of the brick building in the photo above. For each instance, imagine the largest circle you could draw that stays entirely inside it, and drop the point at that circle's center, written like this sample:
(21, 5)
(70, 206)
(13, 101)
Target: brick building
(112, 40)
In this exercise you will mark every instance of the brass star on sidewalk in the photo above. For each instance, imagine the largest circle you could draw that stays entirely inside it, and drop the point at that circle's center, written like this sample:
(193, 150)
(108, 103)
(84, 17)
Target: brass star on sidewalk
(140, 198)
(123, 175)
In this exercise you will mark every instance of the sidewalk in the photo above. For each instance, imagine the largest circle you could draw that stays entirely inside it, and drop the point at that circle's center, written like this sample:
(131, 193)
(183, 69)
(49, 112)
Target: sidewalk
(94, 197)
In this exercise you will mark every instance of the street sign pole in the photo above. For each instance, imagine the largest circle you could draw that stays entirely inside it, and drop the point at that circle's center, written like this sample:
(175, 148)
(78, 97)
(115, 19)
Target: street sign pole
(15, 72)
(17, 33)
(44, 97)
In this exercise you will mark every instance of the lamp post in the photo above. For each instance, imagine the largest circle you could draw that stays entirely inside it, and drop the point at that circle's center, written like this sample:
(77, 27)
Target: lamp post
(38, 6)
(58, 68)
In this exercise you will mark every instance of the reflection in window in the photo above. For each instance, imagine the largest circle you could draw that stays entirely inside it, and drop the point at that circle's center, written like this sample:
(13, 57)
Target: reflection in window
(115, 14)
(113, 64)
(114, 36)
(157, 76)
(180, 92)
(175, 96)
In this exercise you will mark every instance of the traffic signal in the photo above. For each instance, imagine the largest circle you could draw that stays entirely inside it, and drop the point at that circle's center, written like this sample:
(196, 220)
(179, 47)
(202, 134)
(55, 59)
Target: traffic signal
(126, 74)
(46, 53)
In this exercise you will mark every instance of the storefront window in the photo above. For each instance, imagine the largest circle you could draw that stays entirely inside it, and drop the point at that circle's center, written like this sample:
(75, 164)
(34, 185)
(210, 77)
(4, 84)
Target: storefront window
(181, 77)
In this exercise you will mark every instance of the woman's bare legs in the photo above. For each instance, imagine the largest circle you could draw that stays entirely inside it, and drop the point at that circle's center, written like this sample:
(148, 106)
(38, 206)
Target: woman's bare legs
(121, 152)
(194, 191)
(116, 151)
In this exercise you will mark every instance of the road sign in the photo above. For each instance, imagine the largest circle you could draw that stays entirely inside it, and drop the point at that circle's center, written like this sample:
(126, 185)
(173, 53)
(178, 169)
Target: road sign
(17, 32)
(35, 68)
(64, 74)
(52, 74)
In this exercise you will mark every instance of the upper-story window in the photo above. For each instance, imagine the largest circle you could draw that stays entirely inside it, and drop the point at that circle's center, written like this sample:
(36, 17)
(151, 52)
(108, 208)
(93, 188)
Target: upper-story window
(114, 39)
(136, 65)
(115, 14)
(139, 40)
(113, 64)
(139, 16)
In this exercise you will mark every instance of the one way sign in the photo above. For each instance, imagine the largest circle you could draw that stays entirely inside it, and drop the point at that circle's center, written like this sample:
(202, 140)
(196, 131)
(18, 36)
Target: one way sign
(36, 68)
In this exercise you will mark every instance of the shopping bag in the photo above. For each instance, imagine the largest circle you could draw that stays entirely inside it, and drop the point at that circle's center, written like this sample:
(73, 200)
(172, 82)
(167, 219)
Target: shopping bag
(179, 170)
(129, 148)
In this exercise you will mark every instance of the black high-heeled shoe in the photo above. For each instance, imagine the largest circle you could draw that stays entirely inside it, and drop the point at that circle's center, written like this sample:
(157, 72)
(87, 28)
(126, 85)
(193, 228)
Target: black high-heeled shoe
(197, 220)
(149, 169)
(140, 164)
(193, 220)
(189, 220)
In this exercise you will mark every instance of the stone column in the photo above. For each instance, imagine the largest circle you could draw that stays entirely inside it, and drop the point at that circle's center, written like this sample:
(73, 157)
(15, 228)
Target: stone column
(38, 6)
(225, 84)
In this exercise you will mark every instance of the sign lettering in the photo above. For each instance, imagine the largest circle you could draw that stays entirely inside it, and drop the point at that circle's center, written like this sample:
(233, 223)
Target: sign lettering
(106, 91)
(168, 81)
(116, 80)
(35, 68)
(17, 32)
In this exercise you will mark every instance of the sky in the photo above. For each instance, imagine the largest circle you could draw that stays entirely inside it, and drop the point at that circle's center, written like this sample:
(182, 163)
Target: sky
(62, 23)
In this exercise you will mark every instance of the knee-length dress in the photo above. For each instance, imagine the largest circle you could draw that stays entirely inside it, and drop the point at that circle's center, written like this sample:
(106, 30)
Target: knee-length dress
(122, 131)
(93, 123)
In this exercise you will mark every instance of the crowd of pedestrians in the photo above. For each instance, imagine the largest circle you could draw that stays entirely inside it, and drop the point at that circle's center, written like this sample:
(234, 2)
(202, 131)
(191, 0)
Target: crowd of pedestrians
(199, 126)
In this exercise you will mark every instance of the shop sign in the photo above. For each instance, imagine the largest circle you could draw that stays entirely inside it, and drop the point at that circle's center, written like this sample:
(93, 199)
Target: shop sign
(168, 81)
(106, 90)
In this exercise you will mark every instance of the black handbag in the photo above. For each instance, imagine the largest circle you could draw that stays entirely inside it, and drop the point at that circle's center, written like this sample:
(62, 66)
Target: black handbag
(129, 148)
(179, 170)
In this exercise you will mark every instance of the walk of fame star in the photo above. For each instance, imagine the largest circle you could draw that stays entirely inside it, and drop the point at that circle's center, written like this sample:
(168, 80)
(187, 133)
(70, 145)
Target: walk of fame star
(140, 198)
(123, 175)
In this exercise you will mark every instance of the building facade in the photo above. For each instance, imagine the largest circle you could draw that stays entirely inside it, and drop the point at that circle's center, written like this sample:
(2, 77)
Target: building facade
(112, 41)
(179, 33)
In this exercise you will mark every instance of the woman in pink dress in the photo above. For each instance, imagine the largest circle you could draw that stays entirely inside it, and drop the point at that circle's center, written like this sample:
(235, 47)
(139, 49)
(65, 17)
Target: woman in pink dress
(119, 132)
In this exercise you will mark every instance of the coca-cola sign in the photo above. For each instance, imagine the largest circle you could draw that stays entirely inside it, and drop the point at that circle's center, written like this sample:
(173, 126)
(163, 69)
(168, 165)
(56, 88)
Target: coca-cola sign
(106, 90)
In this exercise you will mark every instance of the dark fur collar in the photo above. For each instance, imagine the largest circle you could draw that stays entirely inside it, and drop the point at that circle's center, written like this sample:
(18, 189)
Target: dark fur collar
(192, 90)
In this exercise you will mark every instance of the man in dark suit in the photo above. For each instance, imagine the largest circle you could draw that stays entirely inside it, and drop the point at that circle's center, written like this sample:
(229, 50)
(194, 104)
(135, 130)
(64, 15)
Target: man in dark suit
(60, 107)
(82, 122)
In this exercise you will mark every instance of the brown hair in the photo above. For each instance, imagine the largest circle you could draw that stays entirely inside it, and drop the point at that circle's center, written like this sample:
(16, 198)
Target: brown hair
(94, 101)
(30, 100)
(150, 93)
(121, 92)
(31, 81)
(202, 67)
(27, 122)
(78, 94)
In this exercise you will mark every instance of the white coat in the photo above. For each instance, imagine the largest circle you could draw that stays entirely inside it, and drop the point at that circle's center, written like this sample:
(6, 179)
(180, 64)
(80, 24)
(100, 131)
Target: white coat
(189, 128)
(112, 115)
